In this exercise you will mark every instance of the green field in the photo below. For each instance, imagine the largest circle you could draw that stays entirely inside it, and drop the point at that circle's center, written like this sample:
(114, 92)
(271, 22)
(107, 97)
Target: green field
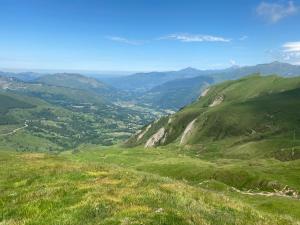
(100, 185)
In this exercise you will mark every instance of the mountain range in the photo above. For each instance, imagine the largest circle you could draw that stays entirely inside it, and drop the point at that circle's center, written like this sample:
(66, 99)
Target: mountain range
(174, 89)
(169, 90)
(114, 108)
(229, 155)
(146, 81)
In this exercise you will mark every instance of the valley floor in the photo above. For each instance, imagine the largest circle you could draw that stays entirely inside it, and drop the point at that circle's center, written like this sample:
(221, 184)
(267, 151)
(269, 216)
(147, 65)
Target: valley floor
(113, 185)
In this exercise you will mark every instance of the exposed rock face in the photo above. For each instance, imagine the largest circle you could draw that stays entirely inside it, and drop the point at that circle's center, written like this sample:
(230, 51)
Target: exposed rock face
(155, 138)
(164, 138)
(187, 132)
(143, 133)
(218, 100)
(204, 93)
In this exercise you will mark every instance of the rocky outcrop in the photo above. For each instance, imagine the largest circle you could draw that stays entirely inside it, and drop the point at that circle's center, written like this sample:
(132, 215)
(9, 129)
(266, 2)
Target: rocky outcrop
(156, 138)
(218, 100)
(187, 132)
(141, 135)
(204, 93)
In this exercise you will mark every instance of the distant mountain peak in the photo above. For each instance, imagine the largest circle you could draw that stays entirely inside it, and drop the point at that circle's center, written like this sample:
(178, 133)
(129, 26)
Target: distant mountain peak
(275, 63)
(278, 63)
(74, 75)
(189, 69)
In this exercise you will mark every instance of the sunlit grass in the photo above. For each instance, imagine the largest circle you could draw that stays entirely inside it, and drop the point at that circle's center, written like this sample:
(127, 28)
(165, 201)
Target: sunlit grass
(38, 188)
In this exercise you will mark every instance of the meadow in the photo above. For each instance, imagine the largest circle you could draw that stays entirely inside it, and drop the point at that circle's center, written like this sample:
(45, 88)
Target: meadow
(167, 185)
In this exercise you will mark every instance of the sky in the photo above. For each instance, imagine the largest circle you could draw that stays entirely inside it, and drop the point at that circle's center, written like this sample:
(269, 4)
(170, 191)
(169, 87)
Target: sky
(147, 35)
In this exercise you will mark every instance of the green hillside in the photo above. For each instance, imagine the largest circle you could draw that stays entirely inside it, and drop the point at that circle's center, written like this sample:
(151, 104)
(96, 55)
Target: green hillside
(10, 102)
(251, 110)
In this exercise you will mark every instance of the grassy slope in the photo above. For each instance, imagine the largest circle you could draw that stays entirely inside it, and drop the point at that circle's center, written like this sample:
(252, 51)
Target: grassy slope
(90, 188)
(183, 165)
(255, 110)
(11, 102)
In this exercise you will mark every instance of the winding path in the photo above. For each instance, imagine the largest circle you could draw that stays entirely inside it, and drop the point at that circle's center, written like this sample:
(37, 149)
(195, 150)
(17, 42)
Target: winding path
(267, 194)
(15, 130)
(278, 193)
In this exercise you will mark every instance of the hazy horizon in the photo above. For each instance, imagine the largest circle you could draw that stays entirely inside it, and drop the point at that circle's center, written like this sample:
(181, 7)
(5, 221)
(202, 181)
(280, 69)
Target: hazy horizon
(116, 72)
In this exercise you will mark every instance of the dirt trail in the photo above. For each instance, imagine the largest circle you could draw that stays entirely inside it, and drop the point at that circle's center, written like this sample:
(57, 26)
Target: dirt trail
(285, 192)
(281, 193)
(15, 130)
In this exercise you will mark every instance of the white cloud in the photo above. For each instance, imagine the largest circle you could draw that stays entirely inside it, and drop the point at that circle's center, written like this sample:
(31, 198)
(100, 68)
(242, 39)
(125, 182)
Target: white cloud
(273, 12)
(289, 52)
(292, 47)
(194, 38)
(124, 40)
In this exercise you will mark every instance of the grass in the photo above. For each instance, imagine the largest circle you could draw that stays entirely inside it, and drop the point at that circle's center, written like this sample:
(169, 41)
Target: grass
(25, 141)
(38, 188)
(184, 166)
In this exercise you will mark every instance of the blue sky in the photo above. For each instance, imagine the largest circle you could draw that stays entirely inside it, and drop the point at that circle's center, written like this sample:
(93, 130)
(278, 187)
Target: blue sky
(140, 35)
